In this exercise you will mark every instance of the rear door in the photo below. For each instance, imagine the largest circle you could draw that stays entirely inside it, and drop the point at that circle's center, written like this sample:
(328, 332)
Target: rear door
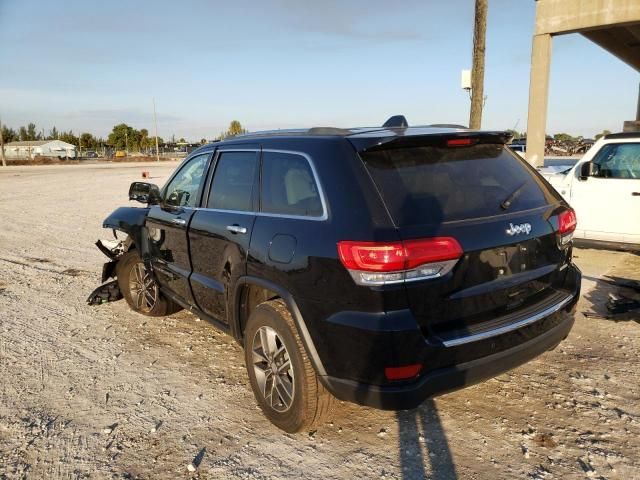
(495, 206)
(604, 202)
(167, 224)
(220, 232)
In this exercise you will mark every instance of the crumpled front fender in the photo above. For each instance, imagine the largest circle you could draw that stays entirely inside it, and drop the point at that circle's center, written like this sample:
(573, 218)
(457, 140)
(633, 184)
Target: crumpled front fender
(129, 220)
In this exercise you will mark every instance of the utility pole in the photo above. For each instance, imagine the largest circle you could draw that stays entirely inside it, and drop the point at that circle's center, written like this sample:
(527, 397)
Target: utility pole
(155, 121)
(4, 162)
(477, 69)
(638, 110)
(126, 142)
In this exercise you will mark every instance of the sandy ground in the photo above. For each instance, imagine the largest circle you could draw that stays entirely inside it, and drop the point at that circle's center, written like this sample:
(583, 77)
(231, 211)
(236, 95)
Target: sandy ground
(104, 392)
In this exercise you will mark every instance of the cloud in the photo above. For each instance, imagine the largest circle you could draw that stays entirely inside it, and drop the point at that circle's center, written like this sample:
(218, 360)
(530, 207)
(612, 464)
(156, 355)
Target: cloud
(333, 18)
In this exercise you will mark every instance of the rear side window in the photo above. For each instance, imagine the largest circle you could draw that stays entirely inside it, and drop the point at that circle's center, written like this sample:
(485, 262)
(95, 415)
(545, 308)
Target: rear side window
(233, 182)
(288, 186)
(431, 185)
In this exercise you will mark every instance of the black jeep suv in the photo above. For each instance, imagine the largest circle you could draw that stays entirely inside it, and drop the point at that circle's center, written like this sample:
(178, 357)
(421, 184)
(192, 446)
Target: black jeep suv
(380, 266)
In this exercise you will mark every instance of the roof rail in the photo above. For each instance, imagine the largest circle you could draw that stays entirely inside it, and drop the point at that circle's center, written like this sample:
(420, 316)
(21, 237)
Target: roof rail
(447, 125)
(262, 133)
(328, 131)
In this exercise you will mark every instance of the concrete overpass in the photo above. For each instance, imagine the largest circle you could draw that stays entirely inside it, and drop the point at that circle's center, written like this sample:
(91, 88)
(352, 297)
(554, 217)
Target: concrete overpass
(612, 24)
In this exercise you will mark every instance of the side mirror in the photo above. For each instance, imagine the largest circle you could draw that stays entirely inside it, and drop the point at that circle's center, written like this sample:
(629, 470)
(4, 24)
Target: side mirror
(587, 169)
(144, 193)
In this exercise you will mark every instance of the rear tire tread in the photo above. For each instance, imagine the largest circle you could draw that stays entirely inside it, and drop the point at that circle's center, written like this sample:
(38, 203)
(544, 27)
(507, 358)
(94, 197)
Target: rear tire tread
(319, 400)
(316, 403)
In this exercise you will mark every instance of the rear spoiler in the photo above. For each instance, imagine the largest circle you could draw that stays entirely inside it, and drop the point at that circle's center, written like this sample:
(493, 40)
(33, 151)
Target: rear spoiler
(407, 139)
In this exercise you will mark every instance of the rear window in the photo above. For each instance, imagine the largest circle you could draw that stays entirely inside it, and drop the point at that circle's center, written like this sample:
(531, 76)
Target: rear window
(431, 185)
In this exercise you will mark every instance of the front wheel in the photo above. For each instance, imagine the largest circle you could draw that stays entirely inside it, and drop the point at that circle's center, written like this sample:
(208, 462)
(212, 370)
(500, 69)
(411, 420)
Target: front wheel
(282, 378)
(139, 288)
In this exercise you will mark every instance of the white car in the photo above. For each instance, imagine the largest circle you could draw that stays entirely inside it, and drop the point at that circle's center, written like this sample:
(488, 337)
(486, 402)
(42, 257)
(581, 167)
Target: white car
(603, 187)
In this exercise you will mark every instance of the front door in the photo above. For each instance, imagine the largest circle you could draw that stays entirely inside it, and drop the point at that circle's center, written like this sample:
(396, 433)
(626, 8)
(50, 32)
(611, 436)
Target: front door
(219, 234)
(606, 203)
(167, 225)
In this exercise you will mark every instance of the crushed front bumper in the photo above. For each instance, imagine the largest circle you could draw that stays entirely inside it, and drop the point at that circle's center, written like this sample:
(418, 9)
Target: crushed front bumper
(109, 291)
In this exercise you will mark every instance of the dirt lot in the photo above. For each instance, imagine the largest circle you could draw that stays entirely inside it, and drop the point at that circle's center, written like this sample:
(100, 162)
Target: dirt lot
(104, 392)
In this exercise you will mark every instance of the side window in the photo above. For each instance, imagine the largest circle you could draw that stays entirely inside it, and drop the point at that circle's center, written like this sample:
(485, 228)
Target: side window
(288, 186)
(233, 181)
(618, 160)
(182, 191)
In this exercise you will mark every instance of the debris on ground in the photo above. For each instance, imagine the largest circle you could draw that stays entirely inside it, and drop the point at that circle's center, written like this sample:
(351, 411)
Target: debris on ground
(108, 430)
(108, 292)
(619, 303)
(193, 466)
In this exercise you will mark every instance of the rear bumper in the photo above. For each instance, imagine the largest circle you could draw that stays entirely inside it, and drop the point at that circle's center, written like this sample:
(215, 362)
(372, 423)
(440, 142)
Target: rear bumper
(437, 382)
(362, 345)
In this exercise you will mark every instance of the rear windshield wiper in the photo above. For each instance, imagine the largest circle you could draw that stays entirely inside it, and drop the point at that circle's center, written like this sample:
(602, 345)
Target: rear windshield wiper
(506, 203)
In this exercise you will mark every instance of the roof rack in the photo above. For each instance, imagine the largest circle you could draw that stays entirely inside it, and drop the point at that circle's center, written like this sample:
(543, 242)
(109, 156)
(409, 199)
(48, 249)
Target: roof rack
(447, 125)
(394, 122)
(280, 131)
(328, 131)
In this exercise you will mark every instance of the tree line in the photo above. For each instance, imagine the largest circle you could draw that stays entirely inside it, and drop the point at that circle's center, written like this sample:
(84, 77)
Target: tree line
(558, 137)
(32, 133)
(125, 137)
(122, 137)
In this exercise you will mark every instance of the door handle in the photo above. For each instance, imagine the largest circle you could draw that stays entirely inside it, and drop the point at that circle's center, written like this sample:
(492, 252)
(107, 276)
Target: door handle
(635, 194)
(179, 221)
(236, 229)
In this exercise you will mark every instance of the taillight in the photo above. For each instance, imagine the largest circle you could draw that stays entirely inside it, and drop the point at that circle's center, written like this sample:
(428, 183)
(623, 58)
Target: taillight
(567, 223)
(381, 263)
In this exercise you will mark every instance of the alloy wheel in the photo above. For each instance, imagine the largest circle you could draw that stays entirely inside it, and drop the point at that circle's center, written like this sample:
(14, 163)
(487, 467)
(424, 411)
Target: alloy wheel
(144, 290)
(273, 369)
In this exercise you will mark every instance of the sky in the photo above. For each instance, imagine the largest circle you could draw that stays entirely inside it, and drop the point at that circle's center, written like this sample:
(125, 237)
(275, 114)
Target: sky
(88, 65)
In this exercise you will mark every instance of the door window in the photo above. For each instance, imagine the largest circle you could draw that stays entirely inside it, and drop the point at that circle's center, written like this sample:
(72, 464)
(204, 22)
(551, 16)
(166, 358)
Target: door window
(182, 190)
(618, 160)
(233, 181)
(288, 186)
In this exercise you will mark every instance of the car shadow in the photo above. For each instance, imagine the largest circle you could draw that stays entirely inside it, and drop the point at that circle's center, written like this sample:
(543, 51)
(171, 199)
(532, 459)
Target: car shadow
(422, 441)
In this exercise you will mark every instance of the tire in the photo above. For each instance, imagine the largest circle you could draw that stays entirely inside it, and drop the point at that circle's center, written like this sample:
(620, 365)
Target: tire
(130, 271)
(294, 399)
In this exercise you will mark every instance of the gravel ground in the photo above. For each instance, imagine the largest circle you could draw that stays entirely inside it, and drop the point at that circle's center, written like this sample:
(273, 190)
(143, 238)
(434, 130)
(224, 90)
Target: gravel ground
(104, 392)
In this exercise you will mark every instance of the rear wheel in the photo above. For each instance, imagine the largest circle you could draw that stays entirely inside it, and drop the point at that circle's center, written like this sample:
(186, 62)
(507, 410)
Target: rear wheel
(283, 380)
(139, 288)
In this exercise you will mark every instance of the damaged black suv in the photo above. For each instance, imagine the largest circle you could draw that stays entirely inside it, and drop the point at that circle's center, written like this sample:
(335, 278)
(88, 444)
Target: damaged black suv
(380, 266)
